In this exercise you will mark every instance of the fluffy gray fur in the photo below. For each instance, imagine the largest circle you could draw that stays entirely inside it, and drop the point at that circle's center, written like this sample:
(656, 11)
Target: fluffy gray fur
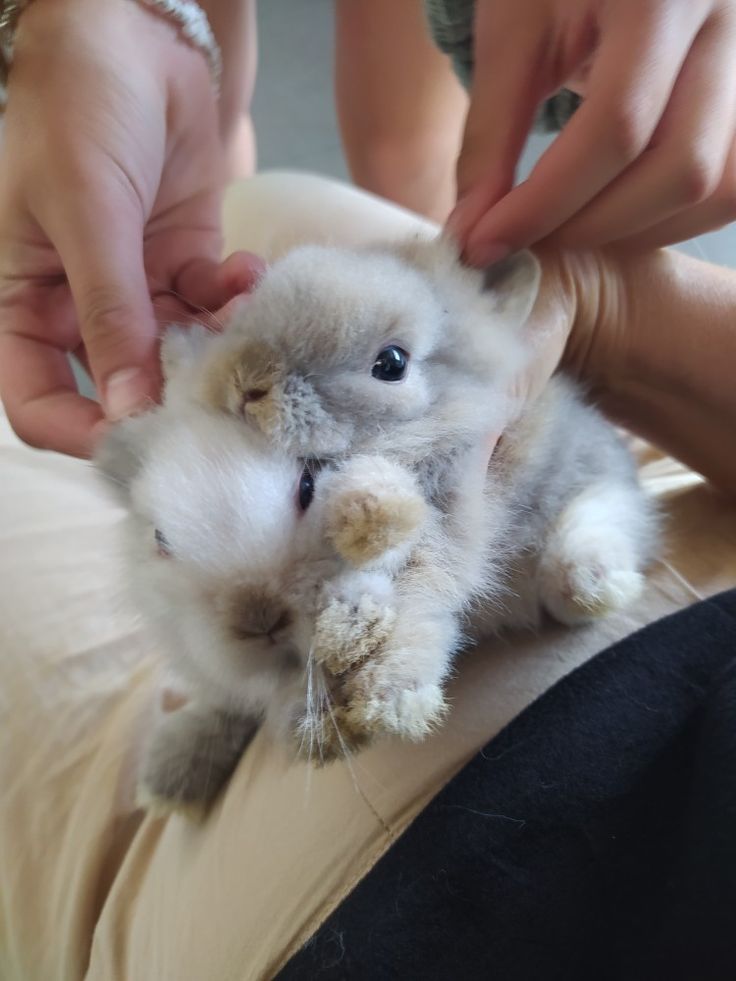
(412, 543)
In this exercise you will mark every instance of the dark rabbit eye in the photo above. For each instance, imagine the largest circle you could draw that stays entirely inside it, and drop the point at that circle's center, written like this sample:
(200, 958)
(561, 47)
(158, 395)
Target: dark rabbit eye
(161, 543)
(391, 364)
(306, 487)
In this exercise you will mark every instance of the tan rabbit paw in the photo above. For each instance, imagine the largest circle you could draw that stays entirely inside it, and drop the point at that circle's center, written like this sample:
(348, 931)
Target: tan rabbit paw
(327, 735)
(364, 526)
(346, 634)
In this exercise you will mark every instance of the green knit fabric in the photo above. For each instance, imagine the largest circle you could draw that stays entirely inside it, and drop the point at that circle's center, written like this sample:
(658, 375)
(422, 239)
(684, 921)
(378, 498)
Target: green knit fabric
(451, 23)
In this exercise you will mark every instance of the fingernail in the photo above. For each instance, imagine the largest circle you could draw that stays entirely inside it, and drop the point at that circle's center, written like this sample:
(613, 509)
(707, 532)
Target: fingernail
(125, 393)
(487, 253)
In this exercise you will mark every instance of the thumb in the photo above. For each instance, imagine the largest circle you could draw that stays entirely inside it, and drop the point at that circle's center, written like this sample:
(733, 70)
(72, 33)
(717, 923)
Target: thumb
(99, 238)
(508, 85)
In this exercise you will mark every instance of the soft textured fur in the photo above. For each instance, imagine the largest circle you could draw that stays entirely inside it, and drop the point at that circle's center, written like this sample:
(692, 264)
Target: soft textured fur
(234, 598)
(339, 624)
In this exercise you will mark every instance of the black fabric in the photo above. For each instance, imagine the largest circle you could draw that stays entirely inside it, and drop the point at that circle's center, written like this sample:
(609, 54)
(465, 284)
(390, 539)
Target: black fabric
(593, 839)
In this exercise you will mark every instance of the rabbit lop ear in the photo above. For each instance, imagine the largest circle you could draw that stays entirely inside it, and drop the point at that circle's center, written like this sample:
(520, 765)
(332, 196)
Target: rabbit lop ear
(514, 284)
(120, 455)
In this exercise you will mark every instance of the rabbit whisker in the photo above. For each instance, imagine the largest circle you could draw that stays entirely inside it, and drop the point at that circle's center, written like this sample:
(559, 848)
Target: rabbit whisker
(179, 296)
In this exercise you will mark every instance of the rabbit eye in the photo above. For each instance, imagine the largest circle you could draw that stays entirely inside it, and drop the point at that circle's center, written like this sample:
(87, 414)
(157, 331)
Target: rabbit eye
(306, 487)
(162, 545)
(391, 364)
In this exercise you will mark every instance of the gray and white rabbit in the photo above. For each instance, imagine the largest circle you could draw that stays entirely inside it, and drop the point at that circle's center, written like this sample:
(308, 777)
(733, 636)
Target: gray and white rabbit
(401, 351)
(314, 530)
(233, 552)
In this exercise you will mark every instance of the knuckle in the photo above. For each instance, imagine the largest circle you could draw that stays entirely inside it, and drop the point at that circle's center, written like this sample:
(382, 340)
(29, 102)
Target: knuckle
(25, 431)
(628, 134)
(727, 195)
(106, 318)
(698, 179)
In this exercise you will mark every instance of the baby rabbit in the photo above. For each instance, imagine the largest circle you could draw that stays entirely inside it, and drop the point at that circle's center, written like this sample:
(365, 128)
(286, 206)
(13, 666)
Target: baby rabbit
(399, 348)
(234, 549)
(314, 526)
(402, 352)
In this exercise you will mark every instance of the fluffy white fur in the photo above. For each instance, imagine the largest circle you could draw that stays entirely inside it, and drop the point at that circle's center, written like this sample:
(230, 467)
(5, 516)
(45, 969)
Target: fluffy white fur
(339, 623)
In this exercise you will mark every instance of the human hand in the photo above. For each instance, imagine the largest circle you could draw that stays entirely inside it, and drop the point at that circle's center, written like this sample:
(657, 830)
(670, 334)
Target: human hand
(581, 321)
(110, 176)
(649, 157)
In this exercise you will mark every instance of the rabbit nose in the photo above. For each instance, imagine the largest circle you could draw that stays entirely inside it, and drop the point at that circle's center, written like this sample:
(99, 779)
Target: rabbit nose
(259, 616)
(281, 623)
(255, 394)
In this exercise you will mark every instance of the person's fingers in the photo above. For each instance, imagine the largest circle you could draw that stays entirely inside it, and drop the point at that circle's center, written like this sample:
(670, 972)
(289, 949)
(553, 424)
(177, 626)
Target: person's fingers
(240, 272)
(630, 85)
(209, 285)
(99, 237)
(717, 211)
(231, 310)
(80, 354)
(510, 77)
(40, 394)
(687, 160)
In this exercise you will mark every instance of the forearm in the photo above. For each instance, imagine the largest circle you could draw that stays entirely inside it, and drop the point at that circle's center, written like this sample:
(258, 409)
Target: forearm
(662, 358)
(233, 23)
(400, 108)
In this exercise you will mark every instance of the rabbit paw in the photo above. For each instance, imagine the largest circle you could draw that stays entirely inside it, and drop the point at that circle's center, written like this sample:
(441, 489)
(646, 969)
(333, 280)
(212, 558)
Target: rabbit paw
(348, 632)
(373, 708)
(379, 702)
(326, 735)
(190, 757)
(595, 553)
(365, 525)
(587, 583)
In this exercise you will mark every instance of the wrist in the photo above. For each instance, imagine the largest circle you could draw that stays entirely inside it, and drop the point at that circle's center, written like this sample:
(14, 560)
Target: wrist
(603, 306)
(576, 319)
(46, 26)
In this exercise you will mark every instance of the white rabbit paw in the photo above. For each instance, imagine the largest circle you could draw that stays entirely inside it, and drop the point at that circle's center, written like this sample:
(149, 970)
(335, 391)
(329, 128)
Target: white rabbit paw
(577, 591)
(379, 702)
(363, 709)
